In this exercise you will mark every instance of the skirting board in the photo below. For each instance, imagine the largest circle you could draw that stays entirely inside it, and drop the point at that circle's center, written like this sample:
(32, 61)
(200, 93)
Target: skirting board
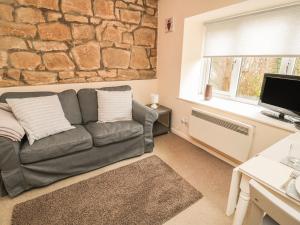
(205, 148)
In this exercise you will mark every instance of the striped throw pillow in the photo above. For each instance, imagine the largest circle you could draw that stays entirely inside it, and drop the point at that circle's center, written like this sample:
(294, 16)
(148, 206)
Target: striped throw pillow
(40, 116)
(114, 106)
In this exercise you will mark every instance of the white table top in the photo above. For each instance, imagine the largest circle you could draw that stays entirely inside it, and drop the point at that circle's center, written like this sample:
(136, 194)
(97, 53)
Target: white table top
(267, 169)
(280, 150)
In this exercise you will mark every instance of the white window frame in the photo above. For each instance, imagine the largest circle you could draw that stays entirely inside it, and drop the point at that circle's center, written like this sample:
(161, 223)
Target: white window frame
(286, 67)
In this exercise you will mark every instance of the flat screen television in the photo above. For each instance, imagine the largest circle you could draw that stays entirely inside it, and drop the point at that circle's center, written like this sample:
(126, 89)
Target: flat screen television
(281, 93)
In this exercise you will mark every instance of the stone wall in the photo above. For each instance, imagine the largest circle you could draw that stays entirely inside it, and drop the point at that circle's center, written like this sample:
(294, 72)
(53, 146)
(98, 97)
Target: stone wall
(75, 41)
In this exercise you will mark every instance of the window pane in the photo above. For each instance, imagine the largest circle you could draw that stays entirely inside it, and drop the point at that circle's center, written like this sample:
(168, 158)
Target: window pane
(220, 73)
(252, 74)
(297, 67)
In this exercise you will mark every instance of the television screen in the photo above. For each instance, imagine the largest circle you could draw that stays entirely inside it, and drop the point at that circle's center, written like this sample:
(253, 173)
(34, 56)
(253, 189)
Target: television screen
(281, 93)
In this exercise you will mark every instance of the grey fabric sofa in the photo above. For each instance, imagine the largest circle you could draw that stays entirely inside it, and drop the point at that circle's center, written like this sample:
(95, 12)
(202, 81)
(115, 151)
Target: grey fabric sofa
(88, 147)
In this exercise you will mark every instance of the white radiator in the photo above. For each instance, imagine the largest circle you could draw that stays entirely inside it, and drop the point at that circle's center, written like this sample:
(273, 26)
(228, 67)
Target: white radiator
(230, 137)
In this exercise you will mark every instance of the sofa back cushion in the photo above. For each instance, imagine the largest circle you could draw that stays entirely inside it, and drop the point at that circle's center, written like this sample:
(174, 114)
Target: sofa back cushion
(88, 101)
(70, 105)
(68, 99)
(6, 95)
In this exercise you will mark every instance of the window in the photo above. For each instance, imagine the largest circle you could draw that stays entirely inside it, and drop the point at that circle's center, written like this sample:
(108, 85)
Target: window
(220, 73)
(241, 77)
(252, 74)
(239, 50)
(297, 67)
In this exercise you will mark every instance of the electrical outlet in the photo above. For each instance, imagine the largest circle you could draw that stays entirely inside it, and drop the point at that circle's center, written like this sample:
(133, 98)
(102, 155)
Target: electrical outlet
(185, 121)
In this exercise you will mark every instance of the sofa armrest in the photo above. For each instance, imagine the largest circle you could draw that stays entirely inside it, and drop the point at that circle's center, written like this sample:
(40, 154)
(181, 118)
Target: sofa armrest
(10, 167)
(147, 117)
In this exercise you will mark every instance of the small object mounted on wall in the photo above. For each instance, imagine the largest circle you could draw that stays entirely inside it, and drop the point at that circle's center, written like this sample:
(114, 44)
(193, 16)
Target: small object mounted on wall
(208, 92)
(169, 25)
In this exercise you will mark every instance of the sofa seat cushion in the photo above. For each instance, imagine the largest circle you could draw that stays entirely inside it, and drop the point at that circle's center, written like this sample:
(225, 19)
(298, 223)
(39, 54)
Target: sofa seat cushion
(107, 133)
(57, 145)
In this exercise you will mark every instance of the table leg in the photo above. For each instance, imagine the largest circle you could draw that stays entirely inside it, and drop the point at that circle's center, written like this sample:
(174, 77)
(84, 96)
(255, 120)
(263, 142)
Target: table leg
(234, 191)
(243, 202)
(256, 215)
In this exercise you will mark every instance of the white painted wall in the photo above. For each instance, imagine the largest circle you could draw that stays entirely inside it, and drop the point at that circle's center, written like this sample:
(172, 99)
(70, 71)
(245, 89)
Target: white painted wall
(170, 49)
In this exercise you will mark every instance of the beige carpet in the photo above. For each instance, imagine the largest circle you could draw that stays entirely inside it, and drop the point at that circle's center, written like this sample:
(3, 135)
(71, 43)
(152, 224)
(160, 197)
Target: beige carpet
(147, 192)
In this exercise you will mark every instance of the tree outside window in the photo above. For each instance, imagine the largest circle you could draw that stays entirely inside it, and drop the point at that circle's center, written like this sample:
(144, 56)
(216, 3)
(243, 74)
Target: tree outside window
(297, 67)
(220, 73)
(252, 74)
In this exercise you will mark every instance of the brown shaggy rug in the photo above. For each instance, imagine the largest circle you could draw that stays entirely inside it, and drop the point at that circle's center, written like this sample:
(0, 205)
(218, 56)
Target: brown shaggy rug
(147, 192)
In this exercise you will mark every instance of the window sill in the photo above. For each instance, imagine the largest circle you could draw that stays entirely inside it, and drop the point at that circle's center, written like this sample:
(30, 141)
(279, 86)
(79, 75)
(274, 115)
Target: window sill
(247, 111)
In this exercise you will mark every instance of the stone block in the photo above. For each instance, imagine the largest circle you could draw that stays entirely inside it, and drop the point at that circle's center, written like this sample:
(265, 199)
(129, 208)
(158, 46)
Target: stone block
(87, 56)
(6, 12)
(116, 58)
(107, 73)
(73, 18)
(83, 7)
(54, 32)
(121, 4)
(130, 16)
(128, 38)
(99, 31)
(106, 44)
(25, 60)
(104, 9)
(147, 74)
(149, 21)
(130, 1)
(9, 83)
(83, 32)
(12, 43)
(3, 59)
(153, 52)
(153, 61)
(94, 79)
(122, 45)
(14, 74)
(95, 20)
(113, 34)
(150, 11)
(47, 4)
(139, 59)
(128, 74)
(140, 2)
(72, 80)
(145, 37)
(16, 29)
(58, 61)
(29, 15)
(66, 75)
(47, 46)
(39, 77)
(136, 7)
(53, 16)
(152, 3)
(87, 74)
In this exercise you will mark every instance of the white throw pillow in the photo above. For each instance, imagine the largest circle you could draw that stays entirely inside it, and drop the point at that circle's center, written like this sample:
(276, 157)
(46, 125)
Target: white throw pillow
(40, 116)
(5, 106)
(114, 106)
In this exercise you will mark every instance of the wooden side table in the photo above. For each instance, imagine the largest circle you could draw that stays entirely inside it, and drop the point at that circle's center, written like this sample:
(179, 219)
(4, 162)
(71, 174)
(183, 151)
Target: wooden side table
(163, 123)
